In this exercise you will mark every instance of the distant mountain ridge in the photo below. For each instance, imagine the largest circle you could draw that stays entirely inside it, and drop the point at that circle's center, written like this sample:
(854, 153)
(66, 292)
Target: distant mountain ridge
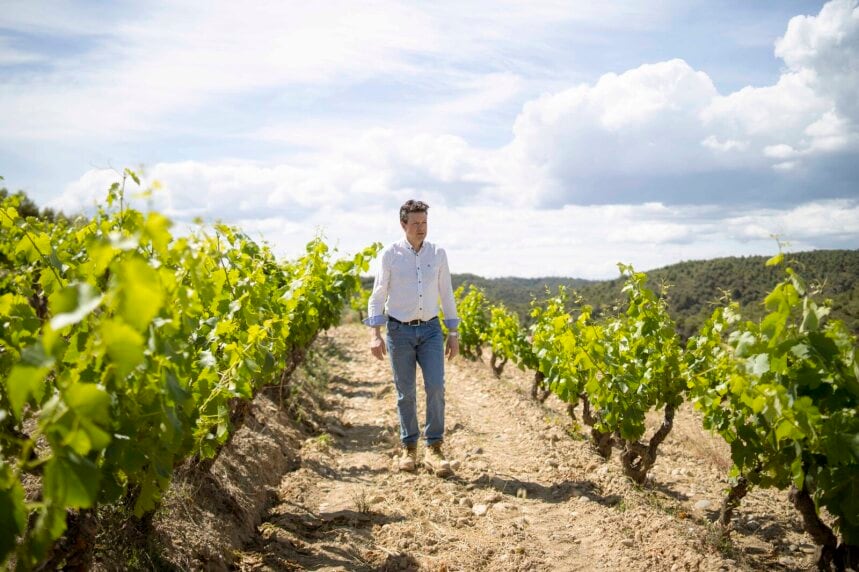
(695, 286)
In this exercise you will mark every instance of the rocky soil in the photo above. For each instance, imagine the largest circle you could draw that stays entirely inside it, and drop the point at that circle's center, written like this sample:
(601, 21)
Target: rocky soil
(527, 494)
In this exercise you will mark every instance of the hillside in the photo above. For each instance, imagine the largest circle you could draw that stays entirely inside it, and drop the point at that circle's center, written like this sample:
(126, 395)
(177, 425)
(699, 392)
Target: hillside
(694, 286)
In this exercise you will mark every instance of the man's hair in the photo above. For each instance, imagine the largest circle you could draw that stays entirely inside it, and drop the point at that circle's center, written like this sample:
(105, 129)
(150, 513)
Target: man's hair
(412, 206)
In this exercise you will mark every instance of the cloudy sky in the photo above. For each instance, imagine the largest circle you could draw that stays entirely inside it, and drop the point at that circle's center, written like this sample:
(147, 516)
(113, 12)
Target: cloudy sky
(549, 137)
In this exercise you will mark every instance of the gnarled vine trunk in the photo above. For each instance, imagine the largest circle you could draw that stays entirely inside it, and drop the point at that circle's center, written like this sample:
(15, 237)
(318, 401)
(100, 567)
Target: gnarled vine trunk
(497, 364)
(830, 556)
(539, 391)
(74, 550)
(600, 441)
(637, 457)
(731, 502)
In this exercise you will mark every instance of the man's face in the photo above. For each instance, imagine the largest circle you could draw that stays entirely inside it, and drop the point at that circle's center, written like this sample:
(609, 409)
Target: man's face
(415, 227)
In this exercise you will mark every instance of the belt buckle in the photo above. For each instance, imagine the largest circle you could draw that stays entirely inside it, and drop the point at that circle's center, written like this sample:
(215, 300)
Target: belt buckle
(414, 323)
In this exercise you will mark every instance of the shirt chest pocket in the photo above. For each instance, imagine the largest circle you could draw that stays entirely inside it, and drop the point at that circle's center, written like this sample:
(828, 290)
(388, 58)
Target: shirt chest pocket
(429, 272)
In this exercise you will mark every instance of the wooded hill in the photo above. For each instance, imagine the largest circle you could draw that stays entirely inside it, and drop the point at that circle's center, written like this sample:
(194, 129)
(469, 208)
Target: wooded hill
(695, 286)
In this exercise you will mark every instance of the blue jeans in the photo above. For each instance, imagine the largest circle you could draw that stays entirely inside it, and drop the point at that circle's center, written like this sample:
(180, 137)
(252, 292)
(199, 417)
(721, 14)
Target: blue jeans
(408, 347)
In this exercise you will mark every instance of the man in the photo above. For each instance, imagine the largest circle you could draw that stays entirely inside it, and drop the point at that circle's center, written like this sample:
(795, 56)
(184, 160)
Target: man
(413, 277)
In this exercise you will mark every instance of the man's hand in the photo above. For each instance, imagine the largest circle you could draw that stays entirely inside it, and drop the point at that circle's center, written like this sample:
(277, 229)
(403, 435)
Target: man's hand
(452, 349)
(377, 345)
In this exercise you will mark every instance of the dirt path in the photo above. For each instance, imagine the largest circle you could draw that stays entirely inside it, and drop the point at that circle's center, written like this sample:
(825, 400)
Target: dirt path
(526, 495)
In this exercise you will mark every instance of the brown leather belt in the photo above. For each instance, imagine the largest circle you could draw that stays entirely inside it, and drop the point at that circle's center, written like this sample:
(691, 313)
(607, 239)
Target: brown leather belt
(412, 322)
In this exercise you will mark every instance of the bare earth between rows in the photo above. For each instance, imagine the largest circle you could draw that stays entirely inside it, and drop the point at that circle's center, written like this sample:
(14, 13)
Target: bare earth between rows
(527, 493)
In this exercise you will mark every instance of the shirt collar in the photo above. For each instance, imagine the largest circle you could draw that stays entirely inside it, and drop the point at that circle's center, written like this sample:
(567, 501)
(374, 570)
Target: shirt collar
(406, 244)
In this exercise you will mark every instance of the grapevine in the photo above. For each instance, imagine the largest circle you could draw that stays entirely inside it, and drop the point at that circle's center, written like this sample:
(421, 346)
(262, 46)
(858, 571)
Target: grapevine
(125, 350)
(784, 394)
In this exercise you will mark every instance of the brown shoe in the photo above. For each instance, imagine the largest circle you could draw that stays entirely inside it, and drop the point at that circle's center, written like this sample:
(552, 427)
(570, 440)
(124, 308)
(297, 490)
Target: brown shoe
(408, 459)
(435, 461)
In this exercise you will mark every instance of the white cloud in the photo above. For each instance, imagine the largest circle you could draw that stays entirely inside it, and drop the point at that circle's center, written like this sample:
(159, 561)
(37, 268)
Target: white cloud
(827, 45)
(773, 113)
(780, 151)
(813, 108)
(379, 167)
(712, 142)
(641, 122)
(785, 166)
(668, 119)
(805, 223)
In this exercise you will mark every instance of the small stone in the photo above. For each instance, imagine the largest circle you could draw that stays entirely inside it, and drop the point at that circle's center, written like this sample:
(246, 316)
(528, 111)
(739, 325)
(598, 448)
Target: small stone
(377, 499)
(793, 548)
(627, 542)
(522, 493)
(574, 514)
(465, 501)
(808, 548)
(455, 464)
(553, 463)
(584, 499)
(491, 498)
(702, 504)
(603, 470)
(477, 451)
(592, 466)
(480, 509)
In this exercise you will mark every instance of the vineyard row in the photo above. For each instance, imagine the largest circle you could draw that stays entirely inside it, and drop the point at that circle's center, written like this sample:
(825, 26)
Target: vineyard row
(783, 391)
(127, 351)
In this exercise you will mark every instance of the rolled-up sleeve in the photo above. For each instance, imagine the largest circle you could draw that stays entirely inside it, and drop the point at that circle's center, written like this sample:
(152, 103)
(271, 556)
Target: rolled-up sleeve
(445, 291)
(379, 295)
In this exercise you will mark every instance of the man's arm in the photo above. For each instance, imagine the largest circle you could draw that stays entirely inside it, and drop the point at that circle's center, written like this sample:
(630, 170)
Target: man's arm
(448, 306)
(376, 308)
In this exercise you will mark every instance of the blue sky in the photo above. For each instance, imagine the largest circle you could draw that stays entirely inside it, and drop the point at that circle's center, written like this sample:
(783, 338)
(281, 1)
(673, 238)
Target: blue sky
(550, 138)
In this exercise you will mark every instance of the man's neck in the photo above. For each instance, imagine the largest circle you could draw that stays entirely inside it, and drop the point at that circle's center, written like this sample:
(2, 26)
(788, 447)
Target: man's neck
(415, 247)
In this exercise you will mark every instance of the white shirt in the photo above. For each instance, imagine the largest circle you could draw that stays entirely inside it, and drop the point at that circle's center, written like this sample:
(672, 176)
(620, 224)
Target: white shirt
(409, 285)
